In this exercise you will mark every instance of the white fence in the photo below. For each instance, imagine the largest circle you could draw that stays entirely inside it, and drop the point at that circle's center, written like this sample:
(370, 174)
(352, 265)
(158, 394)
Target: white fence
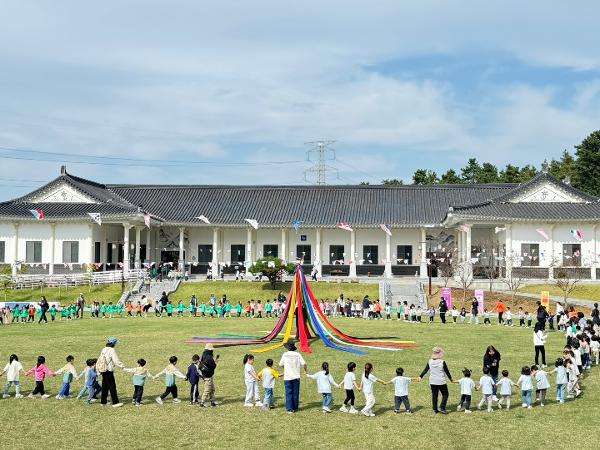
(108, 277)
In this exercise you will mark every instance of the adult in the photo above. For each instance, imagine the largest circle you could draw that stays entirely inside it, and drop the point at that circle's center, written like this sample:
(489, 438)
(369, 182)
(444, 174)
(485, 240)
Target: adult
(438, 371)
(539, 340)
(146, 304)
(500, 309)
(194, 305)
(443, 309)
(474, 311)
(106, 363)
(292, 362)
(491, 360)
(365, 304)
(596, 315)
(541, 315)
(164, 301)
(207, 366)
(80, 305)
(44, 307)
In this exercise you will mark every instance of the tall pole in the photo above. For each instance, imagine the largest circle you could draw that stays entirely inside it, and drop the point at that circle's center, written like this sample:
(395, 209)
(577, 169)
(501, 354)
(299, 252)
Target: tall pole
(319, 155)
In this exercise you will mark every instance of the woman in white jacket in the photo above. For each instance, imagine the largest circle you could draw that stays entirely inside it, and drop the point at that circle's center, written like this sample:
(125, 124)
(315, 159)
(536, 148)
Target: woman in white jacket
(107, 361)
(539, 339)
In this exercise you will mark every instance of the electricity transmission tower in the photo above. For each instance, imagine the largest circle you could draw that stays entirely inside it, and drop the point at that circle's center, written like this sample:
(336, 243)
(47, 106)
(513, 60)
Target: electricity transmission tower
(319, 154)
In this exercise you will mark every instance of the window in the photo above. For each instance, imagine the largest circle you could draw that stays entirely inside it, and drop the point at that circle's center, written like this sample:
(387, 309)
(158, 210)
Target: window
(2, 255)
(336, 254)
(303, 252)
(370, 254)
(120, 254)
(33, 251)
(96, 252)
(143, 253)
(109, 252)
(404, 254)
(70, 251)
(530, 254)
(238, 253)
(270, 250)
(572, 255)
(205, 254)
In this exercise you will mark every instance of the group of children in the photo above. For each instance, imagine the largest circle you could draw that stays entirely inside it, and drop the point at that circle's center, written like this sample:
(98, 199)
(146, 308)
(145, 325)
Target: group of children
(28, 313)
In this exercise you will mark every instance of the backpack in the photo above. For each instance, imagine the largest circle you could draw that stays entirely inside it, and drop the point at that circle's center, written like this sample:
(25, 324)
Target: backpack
(101, 363)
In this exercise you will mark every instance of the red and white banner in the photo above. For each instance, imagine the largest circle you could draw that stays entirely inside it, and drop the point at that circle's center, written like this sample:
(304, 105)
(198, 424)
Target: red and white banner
(344, 226)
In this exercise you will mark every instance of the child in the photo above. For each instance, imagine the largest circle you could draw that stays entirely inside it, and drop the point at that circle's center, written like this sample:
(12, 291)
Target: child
(140, 373)
(138, 310)
(419, 313)
(542, 384)
(12, 371)
(251, 379)
(170, 372)
(349, 385)
(521, 317)
(431, 314)
(367, 386)
(180, 309)
(526, 385)
(509, 320)
(401, 383)
(454, 313)
(463, 316)
(193, 376)
(595, 349)
(324, 382)
(259, 309)
(169, 309)
(486, 317)
(238, 309)
(40, 372)
(466, 391)
(562, 379)
(69, 374)
(399, 310)
(505, 385)
(53, 312)
(268, 375)
(413, 313)
(111, 310)
(486, 384)
(529, 319)
(203, 309)
(91, 381)
(268, 309)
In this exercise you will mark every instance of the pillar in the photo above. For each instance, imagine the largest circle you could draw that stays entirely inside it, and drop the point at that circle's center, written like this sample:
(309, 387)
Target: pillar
(148, 243)
(103, 245)
(181, 249)
(91, 245)
(249, 254)
(52, 249)
(594, 262)
(553, 260)
(283, 254)
(157, 249)
(388, 256)
(126, 254)
(136, 262)
(353, 254)
(468, 244)
(423, 265)
(317, 262)
(215, 253)
(508, 257)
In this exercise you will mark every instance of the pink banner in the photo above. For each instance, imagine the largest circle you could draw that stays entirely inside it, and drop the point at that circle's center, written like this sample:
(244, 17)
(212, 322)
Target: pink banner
(479, 297)
(447, 294)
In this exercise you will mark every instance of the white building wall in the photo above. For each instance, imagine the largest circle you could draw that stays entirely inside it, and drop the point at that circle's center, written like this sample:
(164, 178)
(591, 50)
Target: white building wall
(7, 234)
(35, 232)
(233, 236)
(406, 236)
(81, 233)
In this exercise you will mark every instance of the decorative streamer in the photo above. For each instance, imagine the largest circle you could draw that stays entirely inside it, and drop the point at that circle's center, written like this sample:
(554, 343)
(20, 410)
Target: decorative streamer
(296, 224)
(203, 218)
(386, 229)
(542, 233)
(344, 226)
(37, 213)
(96, 217)
(576, 233)
(253, 223)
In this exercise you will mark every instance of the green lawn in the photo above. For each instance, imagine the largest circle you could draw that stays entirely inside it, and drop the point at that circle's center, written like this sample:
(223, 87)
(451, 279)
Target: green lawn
(583, 291)
(103, 292)
(70, 424)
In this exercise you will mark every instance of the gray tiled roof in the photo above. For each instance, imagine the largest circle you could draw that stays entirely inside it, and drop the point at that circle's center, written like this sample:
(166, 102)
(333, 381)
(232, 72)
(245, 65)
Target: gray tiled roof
(64, 210)
(531, 211)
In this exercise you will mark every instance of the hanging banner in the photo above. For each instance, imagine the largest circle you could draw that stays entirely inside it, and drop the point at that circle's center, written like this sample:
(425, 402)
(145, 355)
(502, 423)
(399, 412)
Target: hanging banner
(545, 300)
(447, 295)
(479, 296)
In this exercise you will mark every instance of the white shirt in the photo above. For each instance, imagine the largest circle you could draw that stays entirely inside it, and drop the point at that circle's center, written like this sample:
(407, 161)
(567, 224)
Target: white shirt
(401, 386)
(248, 372)
(324, 382)
(594, 346)
(505, 386)
(525, 382)
(291, 363)
(466, 386)
(367, 383)
(268, 379)
(561, 375)
(349, 380)
(455, 313)
(487, 385)
(12, 370)
(541, 380)
(508, 315)
(539, 338)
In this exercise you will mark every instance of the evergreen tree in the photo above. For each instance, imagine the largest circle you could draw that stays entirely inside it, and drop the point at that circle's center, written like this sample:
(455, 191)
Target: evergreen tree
(450, 177)
(488, 173)
(423, 176)
(470, 171)
(527, 173)
(587, 167)
(564, 168)
(510, 174)
(392, 182)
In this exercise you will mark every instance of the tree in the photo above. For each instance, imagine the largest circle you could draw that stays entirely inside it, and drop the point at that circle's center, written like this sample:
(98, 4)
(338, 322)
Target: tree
(527, 173)
(392, 182)
(364, 183)
(488, 259)
(487, 174)
(510, 174)
(450, 177)
(272, 268)
(565, 168)
(470, 171)
(464, 275)
(513, 282)
(566, 282)
(423, 177)
(587, 167)
(446, 269)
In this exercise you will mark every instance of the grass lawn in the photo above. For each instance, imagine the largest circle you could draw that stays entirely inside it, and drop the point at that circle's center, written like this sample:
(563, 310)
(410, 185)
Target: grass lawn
(583, 291)
(71, 424)
(102, 292)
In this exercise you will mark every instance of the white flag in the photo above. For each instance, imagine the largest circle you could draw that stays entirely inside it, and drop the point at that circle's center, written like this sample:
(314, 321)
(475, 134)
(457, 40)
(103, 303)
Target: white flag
(147, 220)
(203, 218)
(253, 223)
(96, 218)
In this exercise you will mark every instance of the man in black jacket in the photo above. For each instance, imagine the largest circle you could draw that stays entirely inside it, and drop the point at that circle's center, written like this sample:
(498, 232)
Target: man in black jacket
(207, 367)
(443, 309)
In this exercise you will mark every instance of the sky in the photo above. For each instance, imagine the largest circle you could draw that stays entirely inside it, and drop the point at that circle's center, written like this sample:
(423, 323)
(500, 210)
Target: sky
(230, 92)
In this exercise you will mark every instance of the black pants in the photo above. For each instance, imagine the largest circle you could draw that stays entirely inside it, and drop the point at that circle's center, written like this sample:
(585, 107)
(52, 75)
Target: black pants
(109, 385)
(194, 393)
(43, 317)
(170, 390)
(435, 390)
(443, 317)
(138, 392)
(399, 400)
(465, 400)
(349, 397)
(539, 349)
(500, 319)
(39, 388)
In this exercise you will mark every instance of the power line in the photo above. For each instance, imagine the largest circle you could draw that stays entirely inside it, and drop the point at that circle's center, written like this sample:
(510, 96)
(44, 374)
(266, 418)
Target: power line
(359, 170)
(320, 168)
